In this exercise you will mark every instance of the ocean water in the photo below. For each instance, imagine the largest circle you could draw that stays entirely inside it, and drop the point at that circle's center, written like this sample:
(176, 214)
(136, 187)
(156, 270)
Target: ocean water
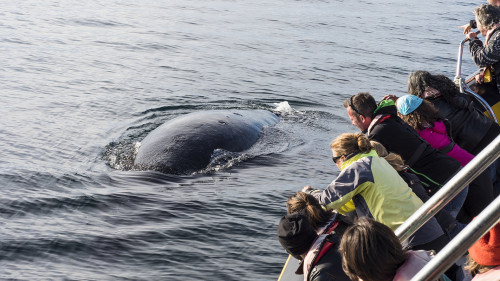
(83, 82)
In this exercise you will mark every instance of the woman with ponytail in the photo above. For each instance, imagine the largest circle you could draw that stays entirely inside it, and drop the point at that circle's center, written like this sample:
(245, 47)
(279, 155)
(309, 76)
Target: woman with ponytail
(370, 186)
(319, 218)
(321, 260)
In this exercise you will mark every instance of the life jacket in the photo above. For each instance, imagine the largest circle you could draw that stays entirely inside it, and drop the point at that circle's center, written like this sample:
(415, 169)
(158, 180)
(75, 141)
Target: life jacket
(323, 243)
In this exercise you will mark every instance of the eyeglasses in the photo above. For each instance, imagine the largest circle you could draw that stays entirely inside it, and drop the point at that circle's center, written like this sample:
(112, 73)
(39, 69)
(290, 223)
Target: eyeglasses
(336, 158)
(351, 105)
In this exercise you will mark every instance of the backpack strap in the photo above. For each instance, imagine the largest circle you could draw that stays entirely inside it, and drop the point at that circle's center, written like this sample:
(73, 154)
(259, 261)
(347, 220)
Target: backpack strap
(450, 146)
(330, 240)
(416, 155)
(328, 243)
(378, 119)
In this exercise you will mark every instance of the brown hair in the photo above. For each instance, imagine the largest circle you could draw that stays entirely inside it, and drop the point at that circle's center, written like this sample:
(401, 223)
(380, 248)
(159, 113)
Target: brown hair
(303, 202)
(424, 115)
(371, 251)
(363, 103)
(394, 159)
(349, 143)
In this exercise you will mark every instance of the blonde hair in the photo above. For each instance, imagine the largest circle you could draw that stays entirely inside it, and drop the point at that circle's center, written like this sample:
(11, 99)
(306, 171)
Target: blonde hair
(348, 143)
(475, 268)
(394, 159)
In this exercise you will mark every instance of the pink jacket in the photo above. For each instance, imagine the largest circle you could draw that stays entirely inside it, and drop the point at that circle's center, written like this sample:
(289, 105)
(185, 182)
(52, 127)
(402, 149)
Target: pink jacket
(415, 261)
(437, 137)
(490, 275)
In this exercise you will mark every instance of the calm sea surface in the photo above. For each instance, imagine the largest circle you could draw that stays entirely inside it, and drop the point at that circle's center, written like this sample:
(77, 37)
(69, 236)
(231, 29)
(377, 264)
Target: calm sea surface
(83, 81)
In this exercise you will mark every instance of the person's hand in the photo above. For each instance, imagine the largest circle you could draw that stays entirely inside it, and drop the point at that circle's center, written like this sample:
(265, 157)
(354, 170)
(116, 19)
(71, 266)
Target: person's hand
(466, 28)
(390, 97)
(479, 78)
(471, 35)
(306, 188)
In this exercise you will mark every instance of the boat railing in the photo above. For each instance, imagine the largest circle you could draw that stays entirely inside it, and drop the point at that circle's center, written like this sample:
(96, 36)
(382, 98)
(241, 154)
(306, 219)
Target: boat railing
(470, 234)
(446, 193)
(457, 247)
(464, 88)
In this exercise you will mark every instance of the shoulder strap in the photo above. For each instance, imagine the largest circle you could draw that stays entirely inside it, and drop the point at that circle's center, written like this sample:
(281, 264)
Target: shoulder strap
(418, 152)
(330, 240)
(378, 119)
(450, 146)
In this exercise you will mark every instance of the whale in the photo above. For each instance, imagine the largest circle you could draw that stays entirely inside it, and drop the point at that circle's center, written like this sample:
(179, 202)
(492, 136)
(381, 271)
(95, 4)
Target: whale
(185, 144)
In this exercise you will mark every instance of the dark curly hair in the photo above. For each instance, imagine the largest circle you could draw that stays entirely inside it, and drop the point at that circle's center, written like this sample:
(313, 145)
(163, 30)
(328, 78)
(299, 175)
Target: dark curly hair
(420, 80)
(426, 114)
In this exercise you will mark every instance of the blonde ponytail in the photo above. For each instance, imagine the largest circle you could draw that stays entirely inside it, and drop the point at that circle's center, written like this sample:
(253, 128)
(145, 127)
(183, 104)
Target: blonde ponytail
(394, 159)
(349, 143)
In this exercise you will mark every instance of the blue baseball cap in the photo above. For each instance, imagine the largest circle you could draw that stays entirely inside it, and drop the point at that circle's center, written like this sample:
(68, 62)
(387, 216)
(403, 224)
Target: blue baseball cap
(408, 103)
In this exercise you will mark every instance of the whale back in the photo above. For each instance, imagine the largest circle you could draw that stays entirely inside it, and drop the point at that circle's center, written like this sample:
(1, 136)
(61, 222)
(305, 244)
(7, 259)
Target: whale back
(185, 144)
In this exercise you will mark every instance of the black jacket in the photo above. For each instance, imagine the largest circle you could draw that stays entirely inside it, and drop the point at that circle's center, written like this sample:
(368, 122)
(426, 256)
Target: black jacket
(470, 128)
(489, 55)
(400, 138)
(445, 219)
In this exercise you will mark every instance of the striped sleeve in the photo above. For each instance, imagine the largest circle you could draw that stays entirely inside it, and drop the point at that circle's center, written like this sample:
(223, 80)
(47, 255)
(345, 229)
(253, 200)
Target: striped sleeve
(486, 55)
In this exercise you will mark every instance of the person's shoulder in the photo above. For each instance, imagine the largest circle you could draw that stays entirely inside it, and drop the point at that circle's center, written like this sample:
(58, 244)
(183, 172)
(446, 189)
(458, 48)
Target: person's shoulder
(329, 268)
(492, 274)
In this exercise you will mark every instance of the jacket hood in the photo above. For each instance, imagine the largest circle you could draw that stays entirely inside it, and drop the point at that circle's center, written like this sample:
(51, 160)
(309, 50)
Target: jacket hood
(386, 107)
(415, 261)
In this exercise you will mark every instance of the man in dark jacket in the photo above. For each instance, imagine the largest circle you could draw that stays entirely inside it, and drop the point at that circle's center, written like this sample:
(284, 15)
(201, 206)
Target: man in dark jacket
(381, 123)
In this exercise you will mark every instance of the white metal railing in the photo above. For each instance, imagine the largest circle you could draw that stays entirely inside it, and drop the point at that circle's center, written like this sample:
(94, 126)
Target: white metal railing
(446, 193)
(457, 247)
(464, 88)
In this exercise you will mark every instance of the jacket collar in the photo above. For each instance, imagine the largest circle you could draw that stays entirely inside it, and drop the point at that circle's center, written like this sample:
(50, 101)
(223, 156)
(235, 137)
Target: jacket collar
(386, 107)
(351, 159)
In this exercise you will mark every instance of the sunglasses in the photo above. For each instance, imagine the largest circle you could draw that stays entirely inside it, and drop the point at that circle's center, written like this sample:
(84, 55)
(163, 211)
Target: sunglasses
(336, 158)
(351, 105)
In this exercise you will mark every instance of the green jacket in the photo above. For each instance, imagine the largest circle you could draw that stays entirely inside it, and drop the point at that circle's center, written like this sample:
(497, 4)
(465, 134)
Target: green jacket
(369, 185)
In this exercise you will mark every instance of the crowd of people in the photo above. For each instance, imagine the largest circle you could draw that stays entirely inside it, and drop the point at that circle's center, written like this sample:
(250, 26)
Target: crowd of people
(408, 148)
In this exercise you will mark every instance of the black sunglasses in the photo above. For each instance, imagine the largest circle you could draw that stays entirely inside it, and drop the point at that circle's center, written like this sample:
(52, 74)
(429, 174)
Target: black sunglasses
(336, 158)
(351, 105)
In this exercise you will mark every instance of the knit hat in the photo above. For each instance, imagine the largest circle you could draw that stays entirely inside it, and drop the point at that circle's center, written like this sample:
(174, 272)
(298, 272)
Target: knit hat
(408, 103)
(486, 251)
(296, 234)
